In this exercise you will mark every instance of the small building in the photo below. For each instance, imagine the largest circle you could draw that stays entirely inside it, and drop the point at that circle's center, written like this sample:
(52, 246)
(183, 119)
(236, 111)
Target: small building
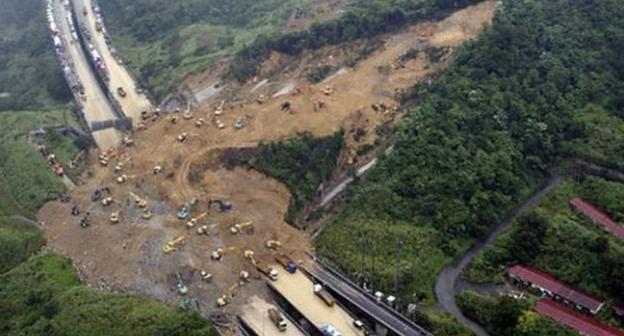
(551, 286)
(584, 324)
(598, 217)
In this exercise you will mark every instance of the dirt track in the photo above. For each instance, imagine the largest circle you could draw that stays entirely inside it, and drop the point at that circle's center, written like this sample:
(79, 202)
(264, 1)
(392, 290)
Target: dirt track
(128, 256)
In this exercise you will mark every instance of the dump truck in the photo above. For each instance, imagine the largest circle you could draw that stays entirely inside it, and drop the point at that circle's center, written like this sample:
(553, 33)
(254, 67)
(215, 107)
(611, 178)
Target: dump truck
(324, 295)
(288, 264)
(278, 320)
(121, 92)
(268, 271)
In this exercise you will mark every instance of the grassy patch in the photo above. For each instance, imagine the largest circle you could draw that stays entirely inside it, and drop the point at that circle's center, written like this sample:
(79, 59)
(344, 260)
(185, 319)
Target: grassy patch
(17, 241)
(43, 297)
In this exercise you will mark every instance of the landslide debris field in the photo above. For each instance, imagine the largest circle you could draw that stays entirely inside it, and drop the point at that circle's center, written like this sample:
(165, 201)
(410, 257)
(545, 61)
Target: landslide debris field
(129, 256)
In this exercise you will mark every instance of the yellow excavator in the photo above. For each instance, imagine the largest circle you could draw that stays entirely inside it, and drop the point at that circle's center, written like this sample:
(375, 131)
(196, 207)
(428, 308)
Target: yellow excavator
(123, 178)
(140, 202)
(191, 223)
(146, 214)
(251, 256)
(238, 228)
(205, 229)
(218, 254)
(219, 109)
(273, 244)
(107, 201)
(171, 246)
(225, 298)
(328, 90)
(188, 114)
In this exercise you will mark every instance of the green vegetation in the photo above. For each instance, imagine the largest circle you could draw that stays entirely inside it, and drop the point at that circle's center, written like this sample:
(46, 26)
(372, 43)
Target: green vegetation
(43, 297)
(25, 177)
(301, 163)
(29, 72)
(568, 245)
(365, 19)
(441, 324)
(509, 317)
(542, 84)
(164, 41)
(18, 241)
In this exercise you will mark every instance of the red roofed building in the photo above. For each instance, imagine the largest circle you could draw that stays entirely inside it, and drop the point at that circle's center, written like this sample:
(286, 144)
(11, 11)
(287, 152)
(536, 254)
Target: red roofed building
(553, 287)
(597, 216)
(584, 324)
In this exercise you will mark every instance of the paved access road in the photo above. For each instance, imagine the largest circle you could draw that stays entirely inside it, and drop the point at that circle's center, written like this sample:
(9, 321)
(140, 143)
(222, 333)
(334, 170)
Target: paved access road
(365, 302)
(445, 286)
(255, 315)
(134, 103)
(96, 107)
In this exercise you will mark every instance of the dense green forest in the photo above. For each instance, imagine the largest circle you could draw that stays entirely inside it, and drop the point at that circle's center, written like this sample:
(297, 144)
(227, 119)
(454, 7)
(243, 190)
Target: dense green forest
(544, 83)
(560, 241)
(507, 316)
(43, 296)
(29, 72)
(302, 163)
(163, 41)
(364, 19)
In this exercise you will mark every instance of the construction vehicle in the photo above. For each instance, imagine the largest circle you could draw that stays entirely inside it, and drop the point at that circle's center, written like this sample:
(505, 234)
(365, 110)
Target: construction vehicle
(286, 106)
(238, 228)
(238, 124)
(174, 119)
(261, 98)
(58, 170)
(84, 221)
(273, 244)
(205, 276)
(278, 320)
(146, 214)
(84, 11)
(171, 246)
(243, 276)
(188, 304)
(328, 90)
(199, 123)
(182, 289)
(223, 205)
(123, 178)
(268, 271)
(186, 209)
(251, 256)
(187, 113)
(74, 210)
(128, 141)
(119, 167)
(97, 194)
(219, 109)
(218, 254)
(205, 229)
(324, 295)
(191, 223)
(220, 124)
(182, 137)
(225, 298)
(114, 217)
(121, 92)
(140, 202)
(108, 201)
(288, 264)
(157, 170)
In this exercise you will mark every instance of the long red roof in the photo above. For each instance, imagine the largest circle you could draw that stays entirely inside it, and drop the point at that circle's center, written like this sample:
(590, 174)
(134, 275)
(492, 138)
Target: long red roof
(596, 214)
(575, 320)
(550, 283)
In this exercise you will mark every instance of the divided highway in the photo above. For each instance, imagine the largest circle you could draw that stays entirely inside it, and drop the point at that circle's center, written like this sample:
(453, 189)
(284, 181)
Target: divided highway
(134, 103)
(96, 107)
(365, 302)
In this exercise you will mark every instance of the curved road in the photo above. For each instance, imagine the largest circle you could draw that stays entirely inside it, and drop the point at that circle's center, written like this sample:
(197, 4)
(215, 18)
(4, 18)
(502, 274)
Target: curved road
(445, 286)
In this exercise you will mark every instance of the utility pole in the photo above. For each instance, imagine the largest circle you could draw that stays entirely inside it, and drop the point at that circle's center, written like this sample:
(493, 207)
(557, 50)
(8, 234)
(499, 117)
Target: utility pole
(398, 268)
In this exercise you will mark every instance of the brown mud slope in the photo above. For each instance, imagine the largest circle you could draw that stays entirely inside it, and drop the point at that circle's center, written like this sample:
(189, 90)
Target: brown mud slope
(128, 256)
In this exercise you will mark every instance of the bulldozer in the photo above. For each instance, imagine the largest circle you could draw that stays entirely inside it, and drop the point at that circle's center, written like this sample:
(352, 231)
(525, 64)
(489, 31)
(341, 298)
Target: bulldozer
(218, 254)
(171, 246)
(182, 137)
(191, 223)
(140, 202)
(273, 244)
(108, 201)
(205, 229)
(328, 90)
(123, 178)
(238, 228)
(186, 209)
(200, 122)
(227, 296)
(205, 276)
(223, 205)
(146, 214)
(114, 217)
(128, 141)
